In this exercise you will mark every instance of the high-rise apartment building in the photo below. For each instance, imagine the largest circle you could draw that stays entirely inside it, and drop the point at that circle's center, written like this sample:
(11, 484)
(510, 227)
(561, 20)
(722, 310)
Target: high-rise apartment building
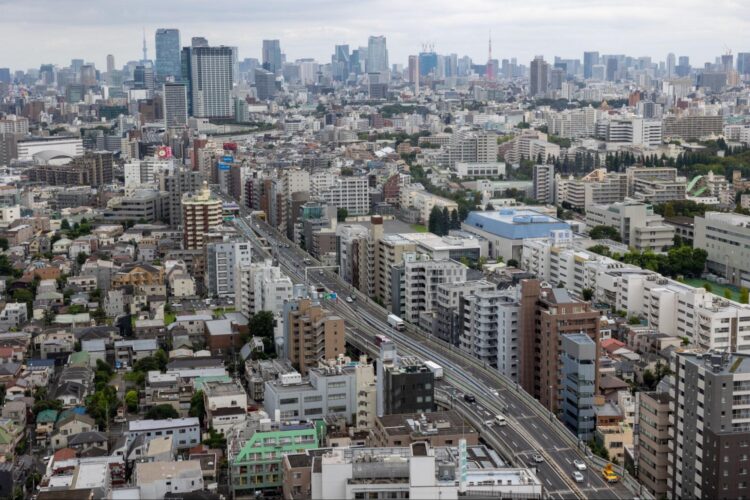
(110, 63)
(311, 334)
(726, 239)
(271, 57)
(265, 84)
(539, 77)
(176, 182)
(652, 440)
(405, 384)
(168, 54)
(578, 377)
(175, 104)
(222, 260)
(377, 55)
(708, 454)
(743, 63)
(208, 71)
(546, 314)
(201, 213)
(544, 183)
(261, 286)
(671, 64)
(340, 63)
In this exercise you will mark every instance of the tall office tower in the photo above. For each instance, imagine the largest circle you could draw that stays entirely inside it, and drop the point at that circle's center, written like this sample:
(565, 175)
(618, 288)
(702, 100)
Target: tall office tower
(167, 54)
(143, 77)
(611, 69)
(209, 72)
(177, 182)
(539, 77)
(727, 63)
(272, 56)
(377, 55)
(311, 334)
(414, 72)
(355, 62)
(75, 67)
(546, 315)
(708, 454)
(175, 105)
(589, 60)
(428, 62)
(683, 68)
(743, 63)
(198, 41)
(4, 75)
(47, 74)
(671, 65)
(88, 75)
(201, 213)
(340, 63)
(265, 84)
(110, 63)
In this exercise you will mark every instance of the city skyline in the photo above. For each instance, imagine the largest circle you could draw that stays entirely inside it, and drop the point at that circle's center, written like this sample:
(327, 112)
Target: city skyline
(568, 28)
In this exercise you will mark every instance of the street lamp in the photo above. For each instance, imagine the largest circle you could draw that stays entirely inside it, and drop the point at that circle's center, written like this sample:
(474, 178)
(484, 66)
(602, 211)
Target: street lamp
(550, 402)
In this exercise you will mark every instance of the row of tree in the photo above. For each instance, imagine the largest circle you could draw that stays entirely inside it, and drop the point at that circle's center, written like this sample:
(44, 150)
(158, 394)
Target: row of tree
(442, 221)
(682, 261)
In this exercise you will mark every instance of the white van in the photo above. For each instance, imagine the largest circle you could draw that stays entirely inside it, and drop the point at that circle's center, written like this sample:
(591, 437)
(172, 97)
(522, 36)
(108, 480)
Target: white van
(500, 420)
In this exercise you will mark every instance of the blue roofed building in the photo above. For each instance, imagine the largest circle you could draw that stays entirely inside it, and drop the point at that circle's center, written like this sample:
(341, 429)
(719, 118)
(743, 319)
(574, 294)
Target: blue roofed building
(505, 229)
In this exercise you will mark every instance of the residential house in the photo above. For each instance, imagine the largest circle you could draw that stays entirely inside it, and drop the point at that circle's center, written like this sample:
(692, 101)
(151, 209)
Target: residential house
(89, 444)
(128, 352)
(138, 274)
(13, 315)
(45, 425)
(69, 426)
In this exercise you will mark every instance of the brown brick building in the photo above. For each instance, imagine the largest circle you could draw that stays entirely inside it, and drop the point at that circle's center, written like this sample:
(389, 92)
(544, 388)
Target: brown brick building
(312, 333)
(546, 314)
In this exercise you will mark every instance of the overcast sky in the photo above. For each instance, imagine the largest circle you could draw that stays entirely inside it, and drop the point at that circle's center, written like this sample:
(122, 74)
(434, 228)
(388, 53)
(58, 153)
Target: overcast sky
(33, 32)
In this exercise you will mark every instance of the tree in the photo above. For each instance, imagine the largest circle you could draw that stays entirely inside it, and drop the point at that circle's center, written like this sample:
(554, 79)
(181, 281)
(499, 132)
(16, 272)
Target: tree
(445, 221)
(587, 294)
(433, 223)
(81, 259)
(634, 320)
(512, 263)
(3, 244)
(708, 287)
(131, 400)
(197, 406)
(102, 405)
(26, 296)
(744, 295)
(604, 232)
(455, 223)
(160, 412)
(65, 225)
(728, 294)
(489, 207)
(262, 324)
(342, 214)
(215, 439)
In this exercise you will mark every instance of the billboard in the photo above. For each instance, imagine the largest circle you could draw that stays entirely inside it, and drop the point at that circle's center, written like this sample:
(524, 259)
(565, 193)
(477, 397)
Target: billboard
(227, 159)
(224, 166)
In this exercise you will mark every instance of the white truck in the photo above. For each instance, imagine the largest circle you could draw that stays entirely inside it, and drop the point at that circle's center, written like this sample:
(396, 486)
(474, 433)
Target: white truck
(435, 368)
(395, 322)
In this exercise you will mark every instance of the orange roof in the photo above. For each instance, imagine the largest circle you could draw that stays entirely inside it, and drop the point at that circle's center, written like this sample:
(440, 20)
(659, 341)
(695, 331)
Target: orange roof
(611, 345)
(64, 454)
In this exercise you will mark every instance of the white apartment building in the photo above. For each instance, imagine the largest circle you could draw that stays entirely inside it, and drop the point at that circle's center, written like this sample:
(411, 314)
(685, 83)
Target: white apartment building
(351, 193)
(261, 287)
(13, 124)
(156, 479)
(470, 146)
(145, 171)
(631, 130)
(573, 123)
(598, 187)
(424, 201)
(71, 146)
(670, 307)
(544, 183)
(222, 259)
(490, 329)
(470, 169)
(184, 431)
(726, 238)
(636, 222)
(419, 281)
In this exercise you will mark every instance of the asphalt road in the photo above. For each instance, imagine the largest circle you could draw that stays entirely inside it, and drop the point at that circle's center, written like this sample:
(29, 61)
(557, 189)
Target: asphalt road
(528, 432)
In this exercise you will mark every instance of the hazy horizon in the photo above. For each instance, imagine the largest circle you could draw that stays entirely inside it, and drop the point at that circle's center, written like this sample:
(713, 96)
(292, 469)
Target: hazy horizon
(56, 31)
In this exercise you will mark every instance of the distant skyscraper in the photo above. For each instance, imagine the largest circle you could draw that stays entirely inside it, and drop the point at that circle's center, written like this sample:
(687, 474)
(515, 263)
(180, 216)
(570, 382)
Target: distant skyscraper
(428, 62)
(110, 63)
(340, 63)
(671, 65)
(490, 71)
(589, 60)
(198, 41)
(5, 75)
(88, 75)
(209, 72)
(143, 77)
(175, 105)
(272, 55)
(377, 54)
(611, 69)
(743, 63)
(167, 54)
(265, 84)
(727, 63)
(414, 71)
(539, 77)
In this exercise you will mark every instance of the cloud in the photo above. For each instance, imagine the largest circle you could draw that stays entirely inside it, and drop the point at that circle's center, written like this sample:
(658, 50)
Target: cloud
(59, 30)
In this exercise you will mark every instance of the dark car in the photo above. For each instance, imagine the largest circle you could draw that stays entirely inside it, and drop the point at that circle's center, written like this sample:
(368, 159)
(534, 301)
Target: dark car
(469, 398)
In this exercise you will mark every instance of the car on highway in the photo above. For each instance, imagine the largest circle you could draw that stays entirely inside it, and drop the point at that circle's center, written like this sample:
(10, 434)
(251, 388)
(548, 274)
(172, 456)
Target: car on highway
(469, 398)
(349, 300)
(500, 420)
(577, 476)
(538, 458)
(352, 297)
(495, 393)
(579, 464)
